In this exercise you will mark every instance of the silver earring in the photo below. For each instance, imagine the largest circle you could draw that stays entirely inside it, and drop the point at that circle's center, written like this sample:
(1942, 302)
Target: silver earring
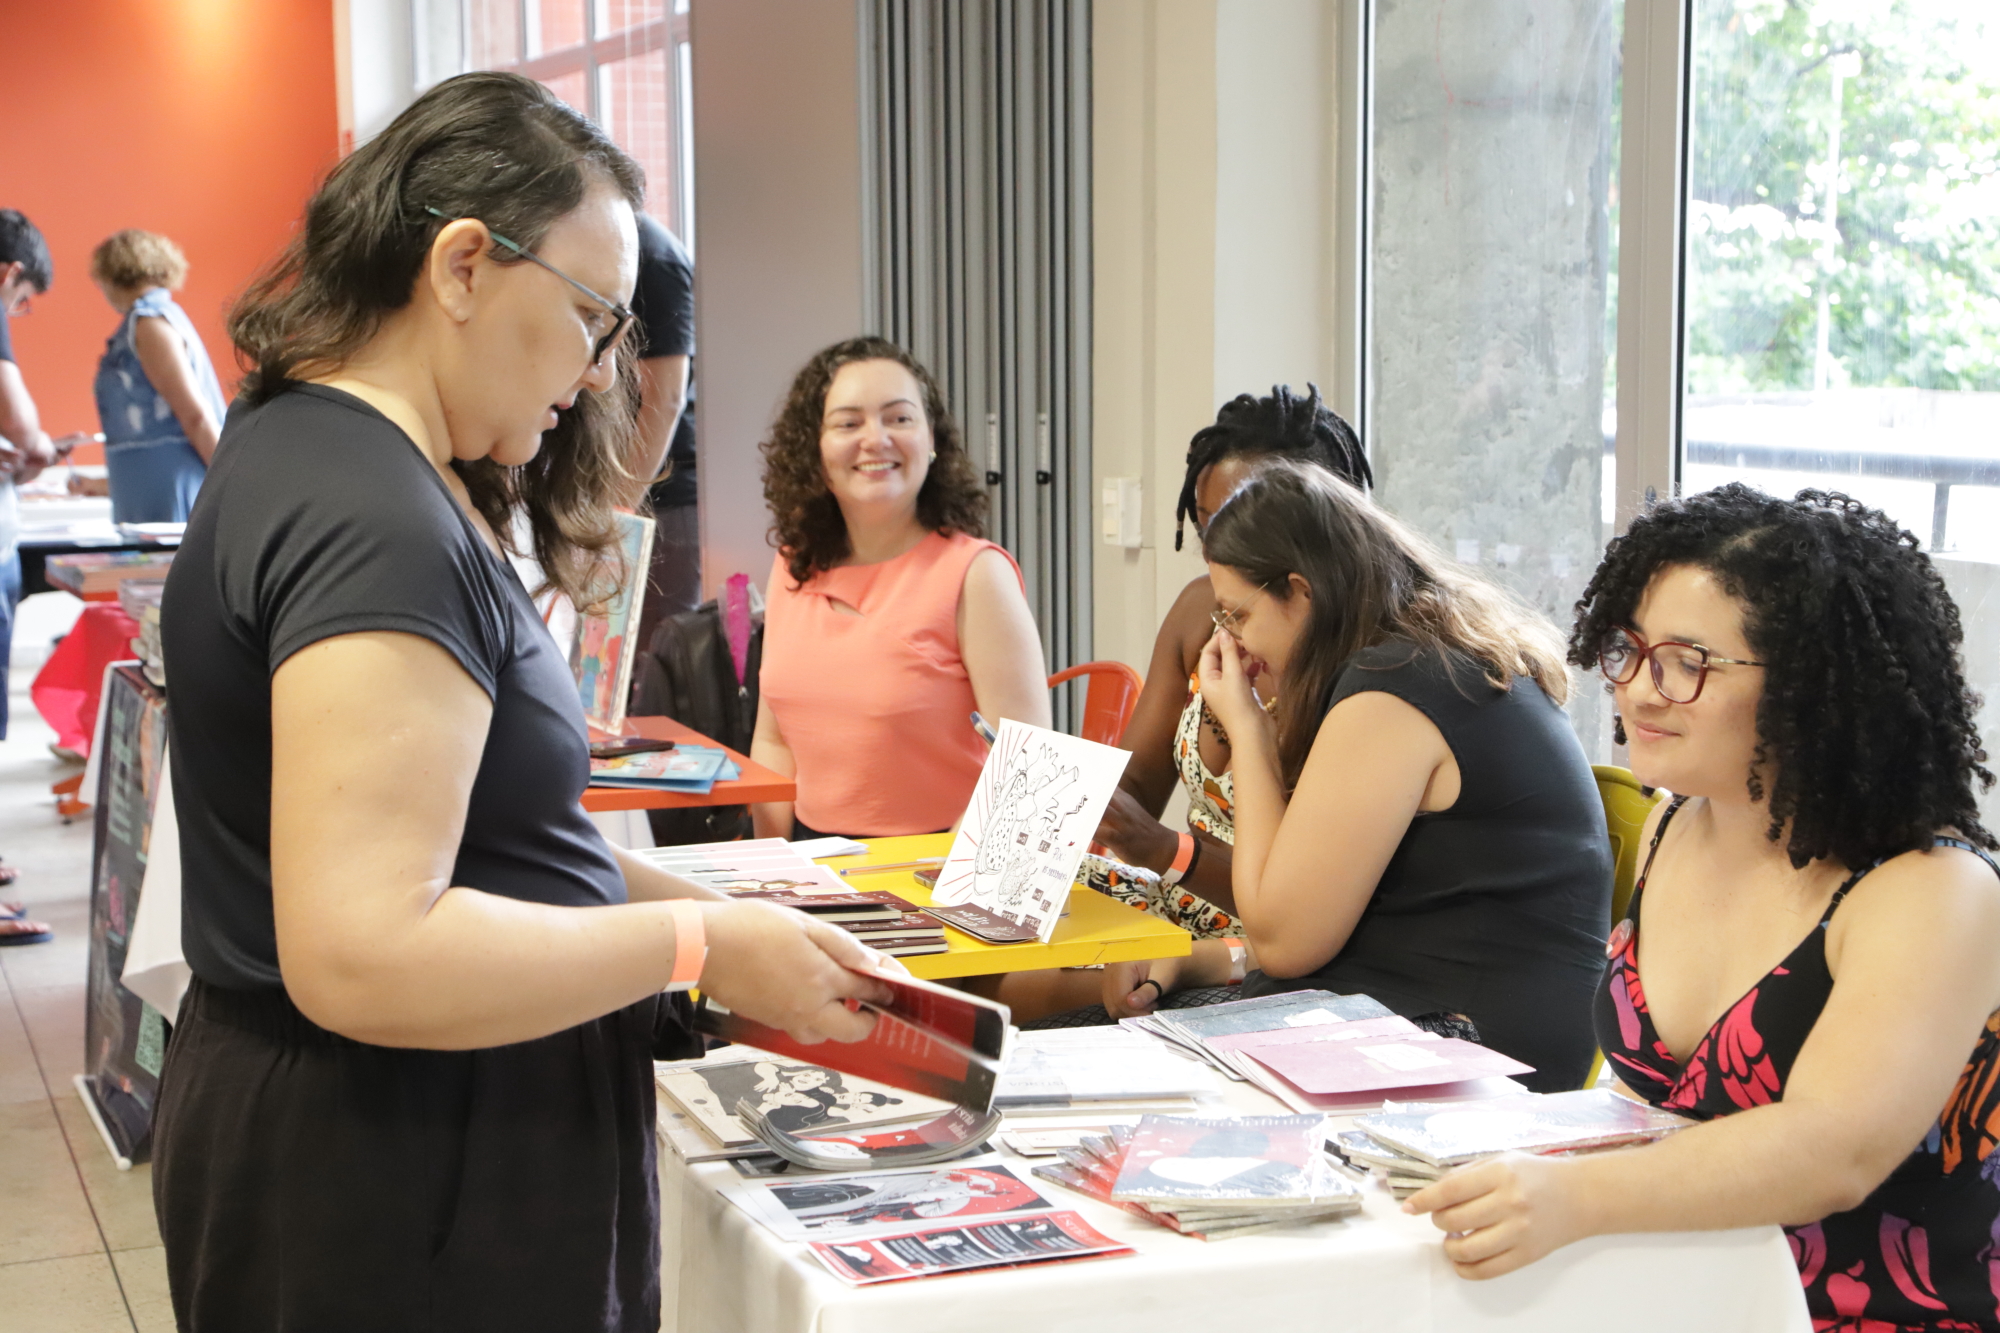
(932, 458)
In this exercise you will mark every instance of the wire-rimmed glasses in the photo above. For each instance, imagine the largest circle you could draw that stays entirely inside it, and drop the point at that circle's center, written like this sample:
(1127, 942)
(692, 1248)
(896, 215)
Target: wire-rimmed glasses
(1679, 669)
(622, 316)
(1230, 619)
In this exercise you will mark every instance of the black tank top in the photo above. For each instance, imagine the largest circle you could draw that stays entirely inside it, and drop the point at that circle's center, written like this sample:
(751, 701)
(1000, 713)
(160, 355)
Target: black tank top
(1496, 908)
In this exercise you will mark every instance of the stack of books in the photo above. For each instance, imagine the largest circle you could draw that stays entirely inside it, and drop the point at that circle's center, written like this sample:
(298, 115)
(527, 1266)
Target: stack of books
(1408, 1146)
(96, 575)
(1212, 1178)
(1108, 1070)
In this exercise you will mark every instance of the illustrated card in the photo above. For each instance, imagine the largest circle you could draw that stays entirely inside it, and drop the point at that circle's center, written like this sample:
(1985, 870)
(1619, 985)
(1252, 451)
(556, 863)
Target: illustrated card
(884, 1202)
(1032, 817)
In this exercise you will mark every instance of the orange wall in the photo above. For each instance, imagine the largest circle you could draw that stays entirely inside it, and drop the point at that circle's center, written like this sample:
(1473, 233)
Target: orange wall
(206, 120)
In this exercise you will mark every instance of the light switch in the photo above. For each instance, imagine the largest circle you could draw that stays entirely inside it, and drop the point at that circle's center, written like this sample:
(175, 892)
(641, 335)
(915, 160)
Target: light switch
(1124, 514)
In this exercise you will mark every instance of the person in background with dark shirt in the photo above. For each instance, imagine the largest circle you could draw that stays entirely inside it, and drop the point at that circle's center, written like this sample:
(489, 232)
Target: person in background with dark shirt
(662, 460)
(25, 449)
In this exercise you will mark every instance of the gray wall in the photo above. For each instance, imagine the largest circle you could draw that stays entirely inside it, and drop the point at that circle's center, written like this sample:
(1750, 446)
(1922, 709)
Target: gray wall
(778, 182)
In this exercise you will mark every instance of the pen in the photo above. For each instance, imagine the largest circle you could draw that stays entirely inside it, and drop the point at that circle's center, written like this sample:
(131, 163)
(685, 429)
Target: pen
(983, 727)
(894, 865)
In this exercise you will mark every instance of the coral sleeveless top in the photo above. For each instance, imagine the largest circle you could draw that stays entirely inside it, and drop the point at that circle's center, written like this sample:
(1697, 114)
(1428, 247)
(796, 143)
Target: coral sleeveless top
(1919, 1255)
(876, 706)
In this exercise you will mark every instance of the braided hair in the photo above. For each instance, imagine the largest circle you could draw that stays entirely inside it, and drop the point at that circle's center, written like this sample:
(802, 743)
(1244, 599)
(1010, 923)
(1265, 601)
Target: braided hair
(1279, 425)
(1865, 716)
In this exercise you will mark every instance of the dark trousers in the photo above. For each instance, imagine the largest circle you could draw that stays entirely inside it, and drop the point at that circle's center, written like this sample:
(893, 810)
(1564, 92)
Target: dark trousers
(306, 1182)
(10, 597)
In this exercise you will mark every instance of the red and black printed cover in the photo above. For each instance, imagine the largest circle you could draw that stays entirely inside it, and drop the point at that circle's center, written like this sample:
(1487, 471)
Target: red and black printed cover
(928, 1038)
(1188, 1159)
(1039, 1238)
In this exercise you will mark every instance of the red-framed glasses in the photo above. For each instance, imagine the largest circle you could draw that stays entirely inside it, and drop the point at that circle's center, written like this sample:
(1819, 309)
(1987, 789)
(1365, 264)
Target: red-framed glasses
(1679, 669)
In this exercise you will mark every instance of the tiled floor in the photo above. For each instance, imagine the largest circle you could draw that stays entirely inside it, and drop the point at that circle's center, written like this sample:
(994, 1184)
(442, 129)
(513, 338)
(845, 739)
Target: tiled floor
(79, 1251)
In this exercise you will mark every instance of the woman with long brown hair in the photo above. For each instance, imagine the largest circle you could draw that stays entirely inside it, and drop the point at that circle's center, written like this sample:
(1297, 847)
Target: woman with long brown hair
(1414, 818)
(411, 1084)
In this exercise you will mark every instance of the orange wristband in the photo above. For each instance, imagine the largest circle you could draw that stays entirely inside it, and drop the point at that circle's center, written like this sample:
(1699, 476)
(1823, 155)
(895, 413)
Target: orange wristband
(1183, 858)
(690, 943)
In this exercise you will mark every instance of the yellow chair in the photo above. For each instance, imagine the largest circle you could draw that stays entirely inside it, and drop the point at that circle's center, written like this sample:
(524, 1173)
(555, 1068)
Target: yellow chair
(1626, 805)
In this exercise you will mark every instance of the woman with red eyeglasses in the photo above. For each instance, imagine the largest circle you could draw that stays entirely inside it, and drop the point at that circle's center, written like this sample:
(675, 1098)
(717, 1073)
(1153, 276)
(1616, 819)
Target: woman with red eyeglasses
(1811, 961)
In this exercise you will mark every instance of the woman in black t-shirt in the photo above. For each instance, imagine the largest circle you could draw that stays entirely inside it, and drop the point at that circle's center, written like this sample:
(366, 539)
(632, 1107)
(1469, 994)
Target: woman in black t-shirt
(411, 1084)
(1417, 821)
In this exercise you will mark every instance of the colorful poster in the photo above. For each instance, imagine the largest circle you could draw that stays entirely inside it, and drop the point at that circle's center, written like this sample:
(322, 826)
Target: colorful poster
(124, 1037)
(607, 641)
(1032, 817)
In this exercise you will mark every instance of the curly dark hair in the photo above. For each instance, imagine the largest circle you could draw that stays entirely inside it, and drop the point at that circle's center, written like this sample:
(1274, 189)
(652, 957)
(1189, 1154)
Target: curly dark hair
(806, 523)
(1279, 425)
(1865, 716)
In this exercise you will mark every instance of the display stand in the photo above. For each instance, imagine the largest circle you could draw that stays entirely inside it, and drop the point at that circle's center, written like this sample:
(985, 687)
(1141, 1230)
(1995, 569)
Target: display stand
(125, 1038)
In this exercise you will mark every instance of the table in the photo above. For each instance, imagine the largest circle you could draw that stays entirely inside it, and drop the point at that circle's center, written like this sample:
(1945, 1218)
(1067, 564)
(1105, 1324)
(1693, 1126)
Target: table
(1093, 929)
(758, 783)
(1382, 1272)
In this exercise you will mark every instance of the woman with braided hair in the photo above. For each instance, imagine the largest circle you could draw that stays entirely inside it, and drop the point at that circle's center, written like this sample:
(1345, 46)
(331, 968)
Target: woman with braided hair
(1817, 923)
(1173, 737)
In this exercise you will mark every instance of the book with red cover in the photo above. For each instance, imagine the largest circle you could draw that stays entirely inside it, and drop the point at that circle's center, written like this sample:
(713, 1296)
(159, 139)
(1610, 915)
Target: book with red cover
(928, 1038)
(1328, 1068)
(981, 924)
(1040, 1238)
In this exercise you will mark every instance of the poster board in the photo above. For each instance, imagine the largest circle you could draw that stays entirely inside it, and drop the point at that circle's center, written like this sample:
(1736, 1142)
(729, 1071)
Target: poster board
(607, 641)
(125, 1038)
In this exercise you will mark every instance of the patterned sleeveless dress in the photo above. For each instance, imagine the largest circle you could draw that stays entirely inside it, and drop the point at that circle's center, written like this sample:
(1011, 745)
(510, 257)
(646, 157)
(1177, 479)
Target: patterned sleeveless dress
(1209, 813)
(1922, 1253)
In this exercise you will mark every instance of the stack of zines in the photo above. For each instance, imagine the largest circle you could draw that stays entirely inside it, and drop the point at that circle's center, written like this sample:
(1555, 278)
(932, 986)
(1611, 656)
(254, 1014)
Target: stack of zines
(140, 599)
(700, 1098)
(1409, 1145)
(1191, 1029)
(1103, 1069)
(774, 871)
(1211, 1178)
(692, 769)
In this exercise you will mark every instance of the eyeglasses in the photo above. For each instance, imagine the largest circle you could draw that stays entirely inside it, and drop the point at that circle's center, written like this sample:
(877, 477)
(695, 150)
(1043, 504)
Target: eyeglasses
(1230, 620)
(621, 315)
(1679, 669)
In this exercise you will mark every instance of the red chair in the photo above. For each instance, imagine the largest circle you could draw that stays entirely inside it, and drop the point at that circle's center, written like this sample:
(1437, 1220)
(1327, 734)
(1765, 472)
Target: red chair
(1108, 701)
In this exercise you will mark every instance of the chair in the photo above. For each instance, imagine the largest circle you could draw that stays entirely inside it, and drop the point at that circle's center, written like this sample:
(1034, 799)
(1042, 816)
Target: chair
(1626, 805)
(1108, 701)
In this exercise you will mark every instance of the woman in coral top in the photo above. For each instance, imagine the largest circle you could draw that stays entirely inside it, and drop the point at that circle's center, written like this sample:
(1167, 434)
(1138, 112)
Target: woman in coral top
(890, 618)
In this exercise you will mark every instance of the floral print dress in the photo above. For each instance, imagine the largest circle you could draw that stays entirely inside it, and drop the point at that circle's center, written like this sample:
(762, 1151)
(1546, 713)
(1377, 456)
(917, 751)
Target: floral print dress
(1209, 799)
(1920, 1253)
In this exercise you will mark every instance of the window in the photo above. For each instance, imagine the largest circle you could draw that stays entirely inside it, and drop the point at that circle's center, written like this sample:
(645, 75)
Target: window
(1843, 258)
(623, 63)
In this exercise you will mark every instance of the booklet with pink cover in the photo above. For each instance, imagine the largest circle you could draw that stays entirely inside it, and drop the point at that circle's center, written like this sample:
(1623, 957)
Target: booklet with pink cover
(1399, 1060)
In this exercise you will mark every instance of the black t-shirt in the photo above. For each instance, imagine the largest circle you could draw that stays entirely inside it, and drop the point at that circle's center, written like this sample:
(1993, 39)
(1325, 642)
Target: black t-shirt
(319, 517)
(1496, 908)
(664, 304)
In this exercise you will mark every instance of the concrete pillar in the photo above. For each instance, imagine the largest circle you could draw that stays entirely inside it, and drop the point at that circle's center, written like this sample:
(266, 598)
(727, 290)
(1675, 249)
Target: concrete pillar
(1491, 162)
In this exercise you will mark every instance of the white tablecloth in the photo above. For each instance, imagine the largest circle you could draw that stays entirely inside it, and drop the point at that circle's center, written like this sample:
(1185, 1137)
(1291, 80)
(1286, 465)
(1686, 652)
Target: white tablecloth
(1382, 1272)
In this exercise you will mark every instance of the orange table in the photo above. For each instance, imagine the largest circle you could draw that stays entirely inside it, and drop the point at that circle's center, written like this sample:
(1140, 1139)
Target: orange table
(758, 783)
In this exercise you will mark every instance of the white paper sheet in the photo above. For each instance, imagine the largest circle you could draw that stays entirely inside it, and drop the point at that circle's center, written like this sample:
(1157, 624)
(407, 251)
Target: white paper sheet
(1032, 817)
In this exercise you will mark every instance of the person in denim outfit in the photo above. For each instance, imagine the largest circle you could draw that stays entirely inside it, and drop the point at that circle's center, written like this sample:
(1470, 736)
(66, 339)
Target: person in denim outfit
(157, 395)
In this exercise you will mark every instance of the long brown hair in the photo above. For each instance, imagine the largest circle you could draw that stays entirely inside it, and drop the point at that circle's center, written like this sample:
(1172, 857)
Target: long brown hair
(1371, 579)
(503, 149)
(806, 522)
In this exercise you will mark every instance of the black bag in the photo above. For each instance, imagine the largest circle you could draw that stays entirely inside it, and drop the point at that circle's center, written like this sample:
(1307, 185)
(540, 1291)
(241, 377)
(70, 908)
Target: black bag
(686, 674)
